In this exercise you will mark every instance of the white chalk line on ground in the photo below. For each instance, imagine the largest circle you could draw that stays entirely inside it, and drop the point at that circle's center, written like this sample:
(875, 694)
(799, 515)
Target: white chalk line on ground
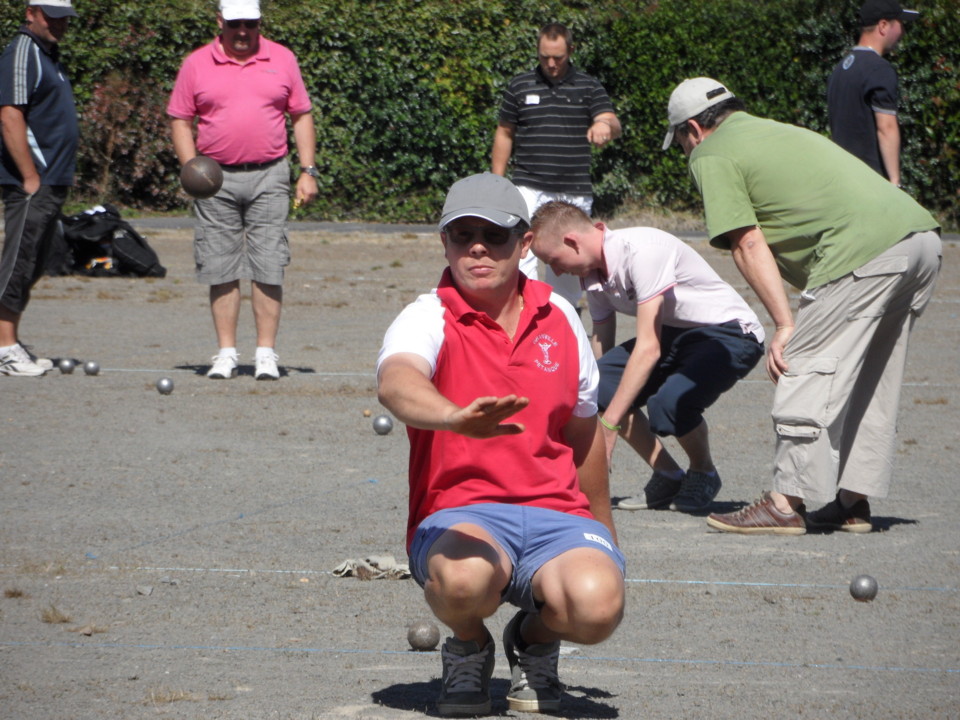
(373, 376)
(407, 653)
(186, 371)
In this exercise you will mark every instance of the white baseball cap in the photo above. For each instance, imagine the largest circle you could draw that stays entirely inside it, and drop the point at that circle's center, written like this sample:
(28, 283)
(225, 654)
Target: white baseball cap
(240, 9)
(689, 99)
(488, 196)
(54, 8)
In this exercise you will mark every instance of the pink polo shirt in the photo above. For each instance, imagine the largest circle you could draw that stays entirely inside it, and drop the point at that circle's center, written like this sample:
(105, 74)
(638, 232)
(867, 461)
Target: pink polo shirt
(241, 107)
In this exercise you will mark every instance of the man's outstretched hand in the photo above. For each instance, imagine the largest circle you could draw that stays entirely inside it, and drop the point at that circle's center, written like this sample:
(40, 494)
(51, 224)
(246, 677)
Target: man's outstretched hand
(484, 417)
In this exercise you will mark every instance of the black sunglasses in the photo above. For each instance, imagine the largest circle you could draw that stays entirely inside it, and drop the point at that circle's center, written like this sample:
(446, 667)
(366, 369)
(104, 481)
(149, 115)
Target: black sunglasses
(491, 237)
(248, 24)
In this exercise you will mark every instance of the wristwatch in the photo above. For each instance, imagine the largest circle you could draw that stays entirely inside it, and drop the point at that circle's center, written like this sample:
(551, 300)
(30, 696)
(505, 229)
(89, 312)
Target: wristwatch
(310, 170)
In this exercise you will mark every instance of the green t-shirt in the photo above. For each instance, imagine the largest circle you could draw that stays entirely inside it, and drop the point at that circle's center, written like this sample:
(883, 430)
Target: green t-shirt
(823, 212)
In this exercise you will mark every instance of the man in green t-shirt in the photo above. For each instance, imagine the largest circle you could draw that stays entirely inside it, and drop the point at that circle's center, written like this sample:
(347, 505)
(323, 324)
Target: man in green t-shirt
(792, 205)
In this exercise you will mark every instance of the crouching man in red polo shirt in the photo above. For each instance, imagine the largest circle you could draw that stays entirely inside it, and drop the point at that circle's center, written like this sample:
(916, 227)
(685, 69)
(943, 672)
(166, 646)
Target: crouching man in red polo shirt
(509, 496)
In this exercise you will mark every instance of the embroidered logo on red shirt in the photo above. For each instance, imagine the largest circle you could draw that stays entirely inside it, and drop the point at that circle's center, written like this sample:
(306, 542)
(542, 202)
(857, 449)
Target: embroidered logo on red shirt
(546, 344)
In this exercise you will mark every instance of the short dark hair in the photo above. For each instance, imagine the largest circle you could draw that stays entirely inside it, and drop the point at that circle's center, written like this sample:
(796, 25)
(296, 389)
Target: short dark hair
(713, 115)
(552, 31)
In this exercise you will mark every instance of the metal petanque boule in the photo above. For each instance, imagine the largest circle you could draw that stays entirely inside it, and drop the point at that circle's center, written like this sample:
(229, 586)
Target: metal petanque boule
(91, 367)
(164, 386)
(863, 588)
(382, 424)
(66, 365)
(423, 635)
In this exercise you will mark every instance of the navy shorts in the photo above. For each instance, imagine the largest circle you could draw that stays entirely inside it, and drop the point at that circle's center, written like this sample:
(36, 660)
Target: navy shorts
(696, 366)
(530, 537)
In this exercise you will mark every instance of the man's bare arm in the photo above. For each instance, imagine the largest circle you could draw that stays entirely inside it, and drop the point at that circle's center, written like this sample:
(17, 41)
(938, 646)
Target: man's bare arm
(405, 389)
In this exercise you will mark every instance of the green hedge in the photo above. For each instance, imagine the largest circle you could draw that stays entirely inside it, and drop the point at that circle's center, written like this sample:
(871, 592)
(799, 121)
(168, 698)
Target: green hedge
(406, 93)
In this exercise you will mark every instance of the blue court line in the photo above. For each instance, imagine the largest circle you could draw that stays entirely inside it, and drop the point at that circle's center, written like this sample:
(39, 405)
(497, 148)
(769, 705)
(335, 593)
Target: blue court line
(780, 585)
(408, 653)
(640, 581)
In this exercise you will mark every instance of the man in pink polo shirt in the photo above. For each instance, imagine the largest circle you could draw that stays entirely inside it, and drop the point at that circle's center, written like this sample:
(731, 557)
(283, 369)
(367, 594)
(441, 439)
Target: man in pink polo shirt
(240, 88)
(509, 500)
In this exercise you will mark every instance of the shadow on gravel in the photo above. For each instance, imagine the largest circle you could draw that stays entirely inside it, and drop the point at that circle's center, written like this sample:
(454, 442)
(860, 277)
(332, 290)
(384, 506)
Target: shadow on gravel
(420, 697)
(285, 370)
(880, 524)
(716, 507)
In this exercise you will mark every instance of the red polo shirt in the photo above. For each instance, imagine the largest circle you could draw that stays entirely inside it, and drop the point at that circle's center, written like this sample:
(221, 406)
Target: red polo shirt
(549, 361)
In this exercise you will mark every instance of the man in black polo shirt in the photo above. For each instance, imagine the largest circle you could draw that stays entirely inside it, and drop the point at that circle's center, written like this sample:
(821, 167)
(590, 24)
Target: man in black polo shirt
(862, 91)
(37, 161)
(549, 119)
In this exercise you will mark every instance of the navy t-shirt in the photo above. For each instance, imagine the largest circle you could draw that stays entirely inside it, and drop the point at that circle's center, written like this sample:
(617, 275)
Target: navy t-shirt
(34, 79)
(863, 83)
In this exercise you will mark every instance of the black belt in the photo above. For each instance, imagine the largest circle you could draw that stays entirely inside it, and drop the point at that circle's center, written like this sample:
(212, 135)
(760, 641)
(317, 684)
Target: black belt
(252, 166)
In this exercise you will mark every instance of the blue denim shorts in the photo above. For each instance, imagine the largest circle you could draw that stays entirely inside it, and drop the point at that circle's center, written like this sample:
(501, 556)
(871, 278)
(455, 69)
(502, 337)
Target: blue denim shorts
(530, 537)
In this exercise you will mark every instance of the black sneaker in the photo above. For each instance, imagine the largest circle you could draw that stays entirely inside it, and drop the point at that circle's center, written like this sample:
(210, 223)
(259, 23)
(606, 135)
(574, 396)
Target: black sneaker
(697, 491)
(535, 682)
(659, 491)
(833, 515)
(466, 678)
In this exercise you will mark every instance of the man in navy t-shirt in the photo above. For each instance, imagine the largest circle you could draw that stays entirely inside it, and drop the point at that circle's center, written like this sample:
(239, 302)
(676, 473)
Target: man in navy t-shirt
(37, 161)
(862, 91)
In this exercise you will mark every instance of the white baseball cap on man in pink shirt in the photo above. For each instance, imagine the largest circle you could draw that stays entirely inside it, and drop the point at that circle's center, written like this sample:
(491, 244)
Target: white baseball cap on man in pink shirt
(240, 9)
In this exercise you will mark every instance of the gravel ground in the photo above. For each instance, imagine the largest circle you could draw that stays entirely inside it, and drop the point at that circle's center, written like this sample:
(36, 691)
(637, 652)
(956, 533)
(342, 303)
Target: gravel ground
(171, 556)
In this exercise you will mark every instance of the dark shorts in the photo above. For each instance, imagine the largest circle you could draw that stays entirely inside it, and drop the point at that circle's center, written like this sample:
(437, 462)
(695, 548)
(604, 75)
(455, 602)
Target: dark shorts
(30, 223)
(530, 536)
(696, 366)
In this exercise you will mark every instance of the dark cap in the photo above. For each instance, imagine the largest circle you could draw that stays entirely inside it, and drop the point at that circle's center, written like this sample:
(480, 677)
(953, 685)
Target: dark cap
(873, 11)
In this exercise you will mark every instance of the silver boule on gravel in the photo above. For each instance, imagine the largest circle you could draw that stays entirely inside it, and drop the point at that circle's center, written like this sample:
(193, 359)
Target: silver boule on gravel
(164, 386)
(864, 588)
(423, 635)
(66, 365)
(91, 367)
(382, 424)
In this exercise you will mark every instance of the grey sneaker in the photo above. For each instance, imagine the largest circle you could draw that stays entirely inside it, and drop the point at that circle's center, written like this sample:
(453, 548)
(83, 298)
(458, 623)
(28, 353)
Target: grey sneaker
(45, 363)
(534, 680)
(224, 367)
(657, 493)
(466, 678)
(697, 491)
(16, 363)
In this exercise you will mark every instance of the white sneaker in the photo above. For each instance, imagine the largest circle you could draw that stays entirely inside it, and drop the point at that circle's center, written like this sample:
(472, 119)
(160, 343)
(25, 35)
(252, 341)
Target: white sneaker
(267, 367)
(45, 363)
(224, 367)
(16, 363)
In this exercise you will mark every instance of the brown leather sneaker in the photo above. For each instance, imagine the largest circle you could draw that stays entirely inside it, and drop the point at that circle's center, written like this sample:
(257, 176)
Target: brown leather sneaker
(760, 518)
(833, 515)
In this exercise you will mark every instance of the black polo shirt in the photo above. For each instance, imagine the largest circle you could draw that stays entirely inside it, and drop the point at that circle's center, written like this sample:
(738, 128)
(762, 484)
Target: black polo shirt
(861, 84)
(33, 78)
(550, 148)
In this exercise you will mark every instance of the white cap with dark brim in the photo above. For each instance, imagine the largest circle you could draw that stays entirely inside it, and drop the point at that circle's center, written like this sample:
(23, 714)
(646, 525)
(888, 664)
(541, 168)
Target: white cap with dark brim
(55, 8)
(689, 99)
(488, 196)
